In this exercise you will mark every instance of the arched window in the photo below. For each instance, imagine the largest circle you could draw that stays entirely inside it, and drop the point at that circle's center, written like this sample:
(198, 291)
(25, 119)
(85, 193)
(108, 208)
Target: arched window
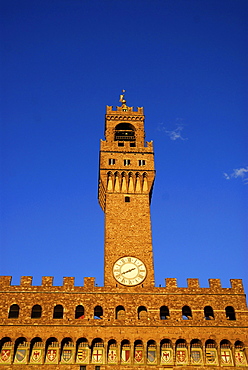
(97, 351)
(21, 346)
(14, 311)
(79, 312)
(186, 313)
(98, 312)
(151, 354)
(164, 313)
(52, 350)
(138, 352)
(230, 313)
(125, 352)
(142, 312)
(120, 313)
(195, 343)
(112, 352)
(208, 313)
(5, 342)
(36, 312)
(166, 352)
(58, 312)
(124, 132)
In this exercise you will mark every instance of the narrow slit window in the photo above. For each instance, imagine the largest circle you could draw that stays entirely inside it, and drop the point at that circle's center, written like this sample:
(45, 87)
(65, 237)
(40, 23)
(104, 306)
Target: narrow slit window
(120, 144)
(127, 199)
(132, 145)
(127, 162)
(142, 162)
(111, 161)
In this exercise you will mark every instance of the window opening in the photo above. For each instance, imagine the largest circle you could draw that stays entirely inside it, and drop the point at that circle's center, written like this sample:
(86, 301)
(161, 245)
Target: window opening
(127, 162)
(36, 312)
(132, 145)
(58, 312)
(124, 131)
(186, 313)
(164, 313)
(82, 367)
(79, 313)
(230, 313)
(14, 311)
(98, 312)
(208, 313)
(111, 161)
(142, 162)
(127, 199)
(120, 144)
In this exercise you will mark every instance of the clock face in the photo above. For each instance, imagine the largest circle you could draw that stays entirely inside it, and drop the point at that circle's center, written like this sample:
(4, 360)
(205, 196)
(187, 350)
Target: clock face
(129, 271)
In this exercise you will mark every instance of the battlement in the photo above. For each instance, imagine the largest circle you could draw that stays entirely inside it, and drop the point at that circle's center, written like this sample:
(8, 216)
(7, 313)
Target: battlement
(193, 285)
(127, 110)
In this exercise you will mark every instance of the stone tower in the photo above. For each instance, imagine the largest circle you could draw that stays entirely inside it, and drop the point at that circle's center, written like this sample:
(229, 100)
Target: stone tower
(126, 179)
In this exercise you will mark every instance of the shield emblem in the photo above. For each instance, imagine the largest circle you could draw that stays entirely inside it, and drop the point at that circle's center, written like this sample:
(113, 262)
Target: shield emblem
(181, 356)
(36, 354)
(196, 356)
(21, 354)
(239, 357)
(67, 354)
(210, 355)
(5, 354)
(125, 355)
(51, 354)
(165, 356)
(112, 357)
(82, 354)
(138, 355)
(151, 355)
(225, 357)
(97, 355)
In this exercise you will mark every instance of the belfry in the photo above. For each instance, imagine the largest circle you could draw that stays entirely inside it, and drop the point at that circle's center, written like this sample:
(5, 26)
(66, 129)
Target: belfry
(129, 322)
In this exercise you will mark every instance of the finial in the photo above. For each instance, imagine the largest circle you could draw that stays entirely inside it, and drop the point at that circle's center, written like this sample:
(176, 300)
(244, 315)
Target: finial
(123, 101)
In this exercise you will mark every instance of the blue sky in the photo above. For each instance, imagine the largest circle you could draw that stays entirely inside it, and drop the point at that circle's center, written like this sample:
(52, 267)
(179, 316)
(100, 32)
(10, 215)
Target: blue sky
(185, 62)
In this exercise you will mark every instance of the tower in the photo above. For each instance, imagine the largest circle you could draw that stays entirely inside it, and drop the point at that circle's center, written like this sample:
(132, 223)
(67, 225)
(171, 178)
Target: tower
(126, 177)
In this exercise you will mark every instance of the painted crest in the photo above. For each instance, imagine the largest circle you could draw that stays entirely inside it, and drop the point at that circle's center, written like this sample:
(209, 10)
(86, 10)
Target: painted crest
(196, 356)
(240, 358)
(82, 355)
(112, 356)
(36, 355)
(211, 356)
(97, 356)
(5, 354)
(21, 354)
(151, 355)
(51, 354)
(225, 357)
(138, 355)
(166, 356)
(67, 354)
(125, 355)
(181, 356)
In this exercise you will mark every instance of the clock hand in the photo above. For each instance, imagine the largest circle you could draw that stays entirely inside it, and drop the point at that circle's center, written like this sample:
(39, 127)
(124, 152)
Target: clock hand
(129, 270)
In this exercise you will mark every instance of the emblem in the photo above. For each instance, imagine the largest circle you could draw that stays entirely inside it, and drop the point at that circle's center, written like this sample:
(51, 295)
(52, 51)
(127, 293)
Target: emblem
(240, 357)
(211, 356)
(67, 354)
(97, 355)
(151, 355)
(166, 356)
(5, 354)
(36, 354)
(112, 356)
(181, 356)
(138, 355)
(51, 354)
(82, 354)
(125, 355)
(21, 354)
(225, 357)
(196, 356)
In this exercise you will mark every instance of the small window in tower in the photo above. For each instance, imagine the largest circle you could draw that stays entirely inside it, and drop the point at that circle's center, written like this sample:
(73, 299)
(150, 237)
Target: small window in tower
(82, 367)
(132, 145)
(111, 161)
(127, 199)
(142, 162)
(127, 162)
(120, 144)
(97, 367)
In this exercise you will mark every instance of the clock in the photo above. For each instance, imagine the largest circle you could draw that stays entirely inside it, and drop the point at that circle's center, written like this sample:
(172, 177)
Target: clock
(129, 271)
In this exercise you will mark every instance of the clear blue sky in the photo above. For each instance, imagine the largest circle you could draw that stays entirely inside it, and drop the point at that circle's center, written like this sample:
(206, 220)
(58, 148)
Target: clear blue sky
(185, 62)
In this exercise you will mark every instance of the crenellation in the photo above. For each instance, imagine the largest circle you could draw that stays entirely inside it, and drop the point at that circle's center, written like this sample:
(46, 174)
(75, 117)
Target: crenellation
(237, 285)
(47, 281)
(26, 281)
(193, 283)
(171, 283)
(214, 284)
(5, 281)
(68, 282)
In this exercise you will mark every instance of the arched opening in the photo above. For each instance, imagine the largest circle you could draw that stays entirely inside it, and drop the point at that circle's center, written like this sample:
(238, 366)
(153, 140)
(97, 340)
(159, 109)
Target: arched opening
(164, 313)
(6, 341)
(239, 352)
(98, 312)
(166, 352)
(20, 350)
(138, 352)
(208, 313)
(112, 352)
(142, 312)
(79, 312)
(124, 132)
(36, 346)
(230, 313)
(97, 351)
(186, 313)
(36, 312)
(82, 350)
(58, 312)
(120, 313)
(211, 355)
(52, 350)
(14, 311)
(225, 352)
(66, 352)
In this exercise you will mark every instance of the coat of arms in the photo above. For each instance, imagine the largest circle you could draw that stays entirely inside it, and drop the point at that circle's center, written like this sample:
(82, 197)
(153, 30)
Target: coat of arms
(67, 354)
(151, 356)
(112, 357)
(181, 356)
(5, 354)
(138, 355)
(125, 355)
(195, 356)
(51, 354)
(165, 356)
(20, 354)
(82, 355)
(211, 356)
(225, 357)
(36, 355)
(97, 356)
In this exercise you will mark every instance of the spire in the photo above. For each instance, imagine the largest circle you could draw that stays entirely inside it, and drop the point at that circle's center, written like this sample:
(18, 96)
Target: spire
(123, 101)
